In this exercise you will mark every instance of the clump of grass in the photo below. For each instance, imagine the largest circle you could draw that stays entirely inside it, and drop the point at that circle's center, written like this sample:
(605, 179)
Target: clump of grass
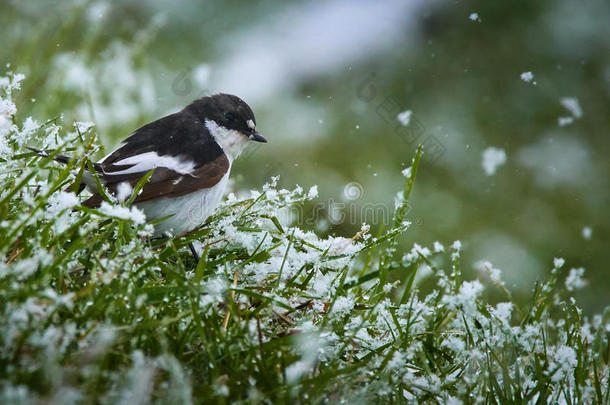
(92, 310)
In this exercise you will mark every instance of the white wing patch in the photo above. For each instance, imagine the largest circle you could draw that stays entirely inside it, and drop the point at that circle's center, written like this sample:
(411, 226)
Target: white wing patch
(150, 160)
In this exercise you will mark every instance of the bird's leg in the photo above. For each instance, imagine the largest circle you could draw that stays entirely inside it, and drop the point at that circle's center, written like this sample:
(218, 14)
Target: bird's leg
(194, 252)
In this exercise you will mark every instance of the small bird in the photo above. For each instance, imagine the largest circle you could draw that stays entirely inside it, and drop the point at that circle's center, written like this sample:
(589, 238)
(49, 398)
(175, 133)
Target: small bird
(191, 151)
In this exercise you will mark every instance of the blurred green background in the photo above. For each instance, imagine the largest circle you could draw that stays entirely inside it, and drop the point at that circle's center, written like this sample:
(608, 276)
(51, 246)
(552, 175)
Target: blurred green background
(327, 80)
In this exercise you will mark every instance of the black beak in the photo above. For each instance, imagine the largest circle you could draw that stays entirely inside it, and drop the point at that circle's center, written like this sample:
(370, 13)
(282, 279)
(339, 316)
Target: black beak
(255, 136)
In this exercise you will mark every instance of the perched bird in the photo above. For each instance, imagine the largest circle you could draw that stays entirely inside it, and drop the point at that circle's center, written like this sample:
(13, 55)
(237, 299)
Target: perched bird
(191, 151)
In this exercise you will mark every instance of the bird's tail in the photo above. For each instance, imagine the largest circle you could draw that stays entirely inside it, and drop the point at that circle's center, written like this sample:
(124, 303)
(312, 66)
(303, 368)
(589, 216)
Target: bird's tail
(62, 158)
(59, 158)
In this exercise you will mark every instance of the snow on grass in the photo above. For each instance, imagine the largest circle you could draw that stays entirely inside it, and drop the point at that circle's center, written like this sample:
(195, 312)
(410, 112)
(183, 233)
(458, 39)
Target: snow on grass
(83, 127)
(116, 211)
(95, 312)
(565, 361)
(61, 201)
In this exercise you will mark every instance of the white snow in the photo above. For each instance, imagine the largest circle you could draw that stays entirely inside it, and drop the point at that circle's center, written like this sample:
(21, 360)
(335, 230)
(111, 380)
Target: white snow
(84, 126)
(503, 311)
(61, 201)
(565, 361)
(16, 81)
(404, 117)
(296, 370)
(558, 262)
(7, 108)
(124, 191)
(132, 213)
(494, 273)
(527, 77)
(492, 159)
(313, 192)
(466, 298)
(572, 105)
(575, 280)
(397, 361)
(29, 126)
(454, 401)
(342, 306)
(471, 289)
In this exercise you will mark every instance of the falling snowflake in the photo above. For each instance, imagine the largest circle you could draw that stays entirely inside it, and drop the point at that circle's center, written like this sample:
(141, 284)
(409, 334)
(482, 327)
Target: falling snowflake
(492, 159)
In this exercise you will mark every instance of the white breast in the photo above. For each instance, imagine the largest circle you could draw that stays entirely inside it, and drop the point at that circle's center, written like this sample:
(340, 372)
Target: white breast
(188, 211)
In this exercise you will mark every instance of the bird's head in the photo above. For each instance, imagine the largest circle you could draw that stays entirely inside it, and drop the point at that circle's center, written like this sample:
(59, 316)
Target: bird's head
(229, 119)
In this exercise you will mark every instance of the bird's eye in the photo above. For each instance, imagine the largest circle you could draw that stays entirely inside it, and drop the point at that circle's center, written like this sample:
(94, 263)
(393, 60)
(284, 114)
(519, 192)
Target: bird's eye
(229, 116)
